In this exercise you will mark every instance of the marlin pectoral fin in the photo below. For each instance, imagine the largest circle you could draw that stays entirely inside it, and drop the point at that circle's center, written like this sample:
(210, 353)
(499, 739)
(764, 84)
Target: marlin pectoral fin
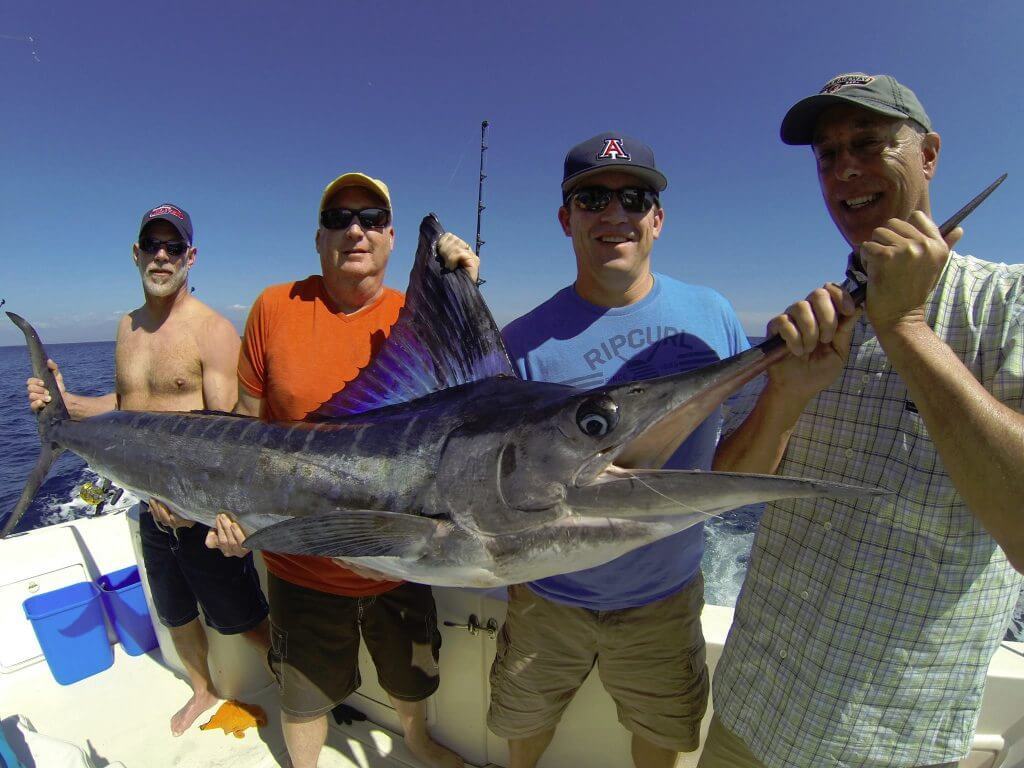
(656, 493)
(444, 337)
(349, 533)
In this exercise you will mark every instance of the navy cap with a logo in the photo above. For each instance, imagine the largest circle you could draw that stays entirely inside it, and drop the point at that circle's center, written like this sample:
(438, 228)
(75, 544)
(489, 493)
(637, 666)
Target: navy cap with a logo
(172, 213)
(611, 152)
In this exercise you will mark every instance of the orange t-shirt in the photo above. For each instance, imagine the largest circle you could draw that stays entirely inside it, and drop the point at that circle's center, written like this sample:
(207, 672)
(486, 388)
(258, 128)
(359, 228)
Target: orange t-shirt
(296, 354)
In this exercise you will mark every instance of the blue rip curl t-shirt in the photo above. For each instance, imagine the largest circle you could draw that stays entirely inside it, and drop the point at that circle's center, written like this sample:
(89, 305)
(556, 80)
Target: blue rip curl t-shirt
(567, 340)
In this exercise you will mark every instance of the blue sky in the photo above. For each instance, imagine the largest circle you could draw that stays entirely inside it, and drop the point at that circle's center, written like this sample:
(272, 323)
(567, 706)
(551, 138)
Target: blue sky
(241, 112)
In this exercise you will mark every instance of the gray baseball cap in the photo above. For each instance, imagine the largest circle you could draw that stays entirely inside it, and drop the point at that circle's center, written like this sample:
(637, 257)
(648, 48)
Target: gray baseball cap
(879, 93)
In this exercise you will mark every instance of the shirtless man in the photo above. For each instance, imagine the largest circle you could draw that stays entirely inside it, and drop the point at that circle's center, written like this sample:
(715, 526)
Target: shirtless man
(174, 353)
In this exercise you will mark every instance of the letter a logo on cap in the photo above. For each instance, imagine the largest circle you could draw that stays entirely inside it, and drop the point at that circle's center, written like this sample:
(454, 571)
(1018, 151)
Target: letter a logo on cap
(613, 151)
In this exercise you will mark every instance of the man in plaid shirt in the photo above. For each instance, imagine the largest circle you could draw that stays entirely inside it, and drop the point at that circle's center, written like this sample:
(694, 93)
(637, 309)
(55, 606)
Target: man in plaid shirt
(863, 631)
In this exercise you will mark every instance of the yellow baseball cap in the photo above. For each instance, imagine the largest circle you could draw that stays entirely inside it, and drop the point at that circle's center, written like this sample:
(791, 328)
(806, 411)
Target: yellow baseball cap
(356, 179)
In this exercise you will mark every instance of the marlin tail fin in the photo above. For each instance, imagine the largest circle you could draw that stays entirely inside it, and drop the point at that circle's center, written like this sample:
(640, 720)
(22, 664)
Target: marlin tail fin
(53, 412)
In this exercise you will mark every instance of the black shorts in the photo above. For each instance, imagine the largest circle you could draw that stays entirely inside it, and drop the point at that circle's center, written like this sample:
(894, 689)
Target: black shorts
(183, 570)
(314, 649)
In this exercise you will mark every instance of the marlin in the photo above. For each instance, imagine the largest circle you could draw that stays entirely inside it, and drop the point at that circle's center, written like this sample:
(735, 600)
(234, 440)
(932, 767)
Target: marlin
(438, 463)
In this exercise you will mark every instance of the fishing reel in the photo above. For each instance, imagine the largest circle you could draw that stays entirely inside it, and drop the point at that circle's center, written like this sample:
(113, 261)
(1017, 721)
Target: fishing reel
(99, 494)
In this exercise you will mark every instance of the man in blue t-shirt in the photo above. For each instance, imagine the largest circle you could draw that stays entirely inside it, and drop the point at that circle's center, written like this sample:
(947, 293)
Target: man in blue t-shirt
(637, 617)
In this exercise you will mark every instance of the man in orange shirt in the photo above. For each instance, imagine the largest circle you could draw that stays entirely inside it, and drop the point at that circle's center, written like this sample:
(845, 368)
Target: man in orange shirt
(303, 341)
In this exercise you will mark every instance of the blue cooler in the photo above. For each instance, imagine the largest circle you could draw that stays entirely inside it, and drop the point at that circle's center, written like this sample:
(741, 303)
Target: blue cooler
(126, 607)
(69, 625)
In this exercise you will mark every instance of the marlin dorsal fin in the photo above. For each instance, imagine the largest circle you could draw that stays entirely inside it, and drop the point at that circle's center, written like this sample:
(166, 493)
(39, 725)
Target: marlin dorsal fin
(444, 336)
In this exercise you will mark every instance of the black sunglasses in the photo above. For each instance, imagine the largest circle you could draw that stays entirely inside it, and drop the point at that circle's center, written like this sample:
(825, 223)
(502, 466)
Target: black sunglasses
(633, 199)
(173, 247)
(341, 218)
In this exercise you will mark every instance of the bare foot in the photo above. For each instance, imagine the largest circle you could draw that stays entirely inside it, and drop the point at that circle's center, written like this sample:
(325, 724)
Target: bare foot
(433, 754)
(194, 707)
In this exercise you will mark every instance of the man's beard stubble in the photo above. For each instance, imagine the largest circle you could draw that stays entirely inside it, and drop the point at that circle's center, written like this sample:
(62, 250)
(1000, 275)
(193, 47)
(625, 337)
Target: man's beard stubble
(168, 288)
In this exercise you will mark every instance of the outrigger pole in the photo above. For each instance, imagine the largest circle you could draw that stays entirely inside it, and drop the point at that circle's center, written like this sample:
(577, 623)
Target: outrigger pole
(480, 190)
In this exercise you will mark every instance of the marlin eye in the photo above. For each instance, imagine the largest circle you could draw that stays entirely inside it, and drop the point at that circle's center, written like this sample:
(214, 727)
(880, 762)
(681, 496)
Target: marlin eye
(597, 417)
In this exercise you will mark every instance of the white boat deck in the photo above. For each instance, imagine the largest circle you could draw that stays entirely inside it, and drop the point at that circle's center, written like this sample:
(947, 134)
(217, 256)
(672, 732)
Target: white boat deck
(122, 714)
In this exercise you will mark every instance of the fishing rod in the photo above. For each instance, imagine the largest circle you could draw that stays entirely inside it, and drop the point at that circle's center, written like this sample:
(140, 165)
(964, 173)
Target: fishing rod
(856, 282)
(480, 189)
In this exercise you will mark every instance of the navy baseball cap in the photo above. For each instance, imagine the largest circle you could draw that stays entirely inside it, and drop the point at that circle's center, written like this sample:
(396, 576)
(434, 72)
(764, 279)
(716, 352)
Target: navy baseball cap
(172, 213)
(878, 93)
(611, 152)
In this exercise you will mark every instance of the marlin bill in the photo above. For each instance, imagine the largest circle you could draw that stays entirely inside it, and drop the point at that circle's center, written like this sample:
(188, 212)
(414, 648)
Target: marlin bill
(438, 463)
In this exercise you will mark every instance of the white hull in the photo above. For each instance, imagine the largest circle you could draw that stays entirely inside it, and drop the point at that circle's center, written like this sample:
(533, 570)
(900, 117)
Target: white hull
(122, 714)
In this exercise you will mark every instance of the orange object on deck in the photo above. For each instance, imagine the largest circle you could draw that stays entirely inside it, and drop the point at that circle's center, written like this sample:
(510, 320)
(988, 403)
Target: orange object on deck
(236, 717)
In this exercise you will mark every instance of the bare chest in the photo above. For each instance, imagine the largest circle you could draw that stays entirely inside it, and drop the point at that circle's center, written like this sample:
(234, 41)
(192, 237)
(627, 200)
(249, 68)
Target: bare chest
(159, 371)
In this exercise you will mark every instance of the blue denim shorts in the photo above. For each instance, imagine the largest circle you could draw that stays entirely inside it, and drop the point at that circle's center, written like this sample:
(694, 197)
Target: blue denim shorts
(184, 574)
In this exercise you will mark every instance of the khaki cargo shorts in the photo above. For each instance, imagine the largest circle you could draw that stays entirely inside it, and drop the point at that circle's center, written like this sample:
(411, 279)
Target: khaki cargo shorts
(651, 661)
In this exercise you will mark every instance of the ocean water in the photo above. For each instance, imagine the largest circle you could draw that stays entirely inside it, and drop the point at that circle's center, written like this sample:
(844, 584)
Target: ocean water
(89, 369)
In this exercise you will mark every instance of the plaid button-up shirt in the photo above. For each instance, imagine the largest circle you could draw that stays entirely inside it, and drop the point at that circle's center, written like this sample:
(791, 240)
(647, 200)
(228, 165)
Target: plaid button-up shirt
(864, 629)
